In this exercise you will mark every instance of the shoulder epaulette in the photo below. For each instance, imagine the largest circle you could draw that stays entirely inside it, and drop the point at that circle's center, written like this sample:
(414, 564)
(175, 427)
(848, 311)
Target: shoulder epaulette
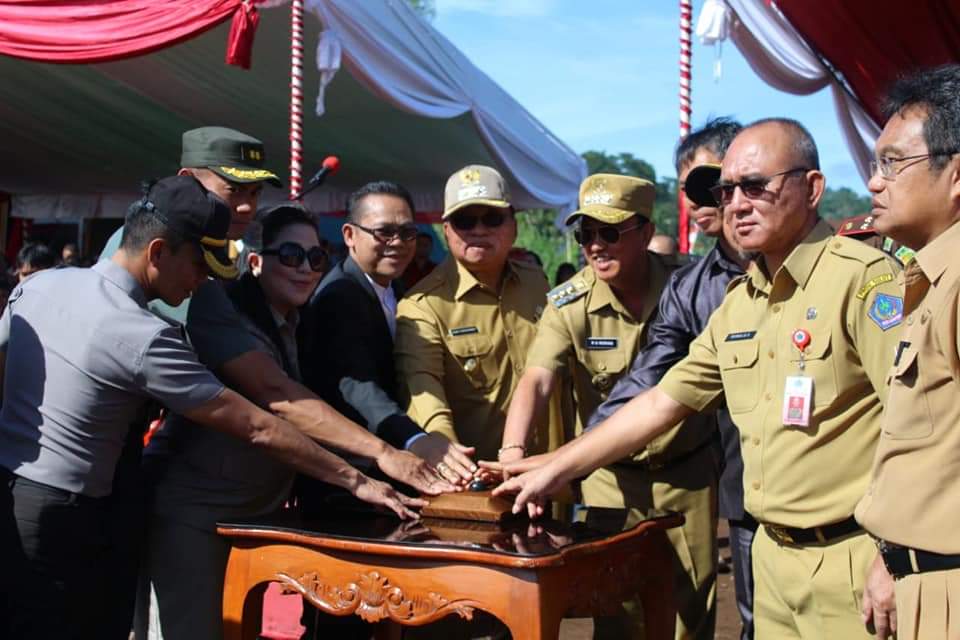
(568, 292)
(850, 248)
(857, 226)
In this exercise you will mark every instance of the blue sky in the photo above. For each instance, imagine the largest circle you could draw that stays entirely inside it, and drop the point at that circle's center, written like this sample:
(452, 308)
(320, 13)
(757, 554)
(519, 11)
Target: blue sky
(602, 74)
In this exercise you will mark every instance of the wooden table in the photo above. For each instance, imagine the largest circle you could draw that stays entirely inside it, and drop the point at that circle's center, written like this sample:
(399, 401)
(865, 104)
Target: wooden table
(380, 569)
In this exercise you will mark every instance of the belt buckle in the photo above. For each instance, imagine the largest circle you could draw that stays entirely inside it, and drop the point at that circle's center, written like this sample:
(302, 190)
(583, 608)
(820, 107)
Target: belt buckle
(780, 534)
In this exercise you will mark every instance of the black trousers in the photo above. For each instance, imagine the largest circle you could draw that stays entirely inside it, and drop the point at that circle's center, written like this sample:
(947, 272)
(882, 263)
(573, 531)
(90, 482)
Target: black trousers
(55, 545)
(65, 560)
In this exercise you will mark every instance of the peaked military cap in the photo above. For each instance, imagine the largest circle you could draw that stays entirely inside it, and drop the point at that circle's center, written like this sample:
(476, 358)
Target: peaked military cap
(612, 198)
(232, 155)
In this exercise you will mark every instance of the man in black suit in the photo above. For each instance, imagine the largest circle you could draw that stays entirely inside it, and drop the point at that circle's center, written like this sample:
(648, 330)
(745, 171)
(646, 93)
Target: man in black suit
(347, 339)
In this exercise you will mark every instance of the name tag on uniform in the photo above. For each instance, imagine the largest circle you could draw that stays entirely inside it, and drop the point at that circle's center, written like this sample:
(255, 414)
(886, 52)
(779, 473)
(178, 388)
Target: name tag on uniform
(739, 335)
(797, 395)
(463, 331)
(601, 344)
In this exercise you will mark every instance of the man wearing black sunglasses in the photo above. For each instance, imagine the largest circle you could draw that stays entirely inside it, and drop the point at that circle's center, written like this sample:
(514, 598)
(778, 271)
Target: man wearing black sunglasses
(347, 338)
(464, 330)
(799, 349)
(593, 327)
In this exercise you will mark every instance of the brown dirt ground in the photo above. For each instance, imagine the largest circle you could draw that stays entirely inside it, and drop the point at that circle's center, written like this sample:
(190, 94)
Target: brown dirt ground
(728, 621)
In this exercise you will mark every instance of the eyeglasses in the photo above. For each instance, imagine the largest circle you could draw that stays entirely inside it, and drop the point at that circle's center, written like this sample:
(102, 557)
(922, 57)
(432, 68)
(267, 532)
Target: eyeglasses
(290, 254)
(389, 232)
(888, 171)
(468, 222)
(607, 233)
(722, 192)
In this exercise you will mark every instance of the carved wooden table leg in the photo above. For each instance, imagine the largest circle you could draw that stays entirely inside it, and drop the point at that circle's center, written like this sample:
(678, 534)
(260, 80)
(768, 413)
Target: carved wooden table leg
(244, 586)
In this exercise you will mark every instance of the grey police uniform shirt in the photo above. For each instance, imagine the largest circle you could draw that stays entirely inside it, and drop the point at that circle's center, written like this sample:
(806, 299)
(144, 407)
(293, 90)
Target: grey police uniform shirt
(83, 356)
(214, 328)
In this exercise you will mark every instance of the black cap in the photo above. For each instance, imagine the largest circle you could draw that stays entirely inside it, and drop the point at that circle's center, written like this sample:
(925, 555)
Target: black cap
(699, 182)
(188, 209)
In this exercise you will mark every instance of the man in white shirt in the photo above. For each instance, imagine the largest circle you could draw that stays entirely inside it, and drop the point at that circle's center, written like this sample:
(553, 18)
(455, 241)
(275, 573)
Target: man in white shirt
(347, 333)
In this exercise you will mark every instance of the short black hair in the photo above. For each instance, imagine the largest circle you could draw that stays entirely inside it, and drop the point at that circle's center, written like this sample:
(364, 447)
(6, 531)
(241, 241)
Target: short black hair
(380, 187)
(37, 255)
(715, 135)
(803, 144)
(142, 225)
(275, 219)
(937, 92)
(424, 234)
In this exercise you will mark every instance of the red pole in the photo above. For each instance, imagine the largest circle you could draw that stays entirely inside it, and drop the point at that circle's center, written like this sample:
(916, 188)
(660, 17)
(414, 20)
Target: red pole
(296, 96)
(686, 54)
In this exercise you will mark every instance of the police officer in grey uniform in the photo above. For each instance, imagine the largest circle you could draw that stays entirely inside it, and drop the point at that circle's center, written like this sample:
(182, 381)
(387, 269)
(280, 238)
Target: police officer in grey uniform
(84, 357)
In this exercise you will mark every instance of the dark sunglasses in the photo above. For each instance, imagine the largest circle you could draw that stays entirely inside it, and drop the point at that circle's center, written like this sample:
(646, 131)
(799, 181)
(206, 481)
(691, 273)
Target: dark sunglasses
(468, 222)
(751, 187)
(290, 254)
(607, 233)
(386, 233)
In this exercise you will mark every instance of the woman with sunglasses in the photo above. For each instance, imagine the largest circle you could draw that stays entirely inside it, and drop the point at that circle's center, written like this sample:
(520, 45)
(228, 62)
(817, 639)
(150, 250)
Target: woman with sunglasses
(200, 477)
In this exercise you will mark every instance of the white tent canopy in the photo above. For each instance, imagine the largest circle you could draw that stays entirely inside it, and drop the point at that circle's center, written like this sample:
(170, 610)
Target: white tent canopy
(784, 60)
(406, 106)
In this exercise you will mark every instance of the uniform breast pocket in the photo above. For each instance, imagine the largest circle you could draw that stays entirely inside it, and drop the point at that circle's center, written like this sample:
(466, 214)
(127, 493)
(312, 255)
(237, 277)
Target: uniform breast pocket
(914, 421)
(741, 379)
(604, 368)
(818, 364)
(475, 359)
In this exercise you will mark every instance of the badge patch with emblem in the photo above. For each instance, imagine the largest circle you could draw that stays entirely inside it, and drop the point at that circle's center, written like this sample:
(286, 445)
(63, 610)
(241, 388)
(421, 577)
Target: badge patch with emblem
(886, 311)
(739, 335)
(812, 313)
(463, 331)
(602, 344)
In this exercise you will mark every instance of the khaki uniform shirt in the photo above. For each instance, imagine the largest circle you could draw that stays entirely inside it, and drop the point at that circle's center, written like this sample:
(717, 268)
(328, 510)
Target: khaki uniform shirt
(912, 499)
(461, 348)
(844, 294)
(588, 335)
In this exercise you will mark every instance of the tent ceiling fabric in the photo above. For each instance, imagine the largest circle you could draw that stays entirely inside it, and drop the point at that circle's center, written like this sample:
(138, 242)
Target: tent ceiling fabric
(871, 42)
(94, 132)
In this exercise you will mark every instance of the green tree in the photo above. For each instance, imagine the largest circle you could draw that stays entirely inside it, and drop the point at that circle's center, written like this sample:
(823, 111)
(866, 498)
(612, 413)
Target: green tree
(537, 232)
(841, 203)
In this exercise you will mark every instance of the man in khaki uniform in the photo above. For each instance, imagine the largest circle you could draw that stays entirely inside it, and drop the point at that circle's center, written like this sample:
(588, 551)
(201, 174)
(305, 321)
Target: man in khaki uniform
(464, 330)
(911, 504)
(593, 327)
(799, 349)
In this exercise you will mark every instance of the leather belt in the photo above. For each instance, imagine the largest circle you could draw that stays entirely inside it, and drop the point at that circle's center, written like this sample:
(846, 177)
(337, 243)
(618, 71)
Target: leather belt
(903, 561)
(813, 535)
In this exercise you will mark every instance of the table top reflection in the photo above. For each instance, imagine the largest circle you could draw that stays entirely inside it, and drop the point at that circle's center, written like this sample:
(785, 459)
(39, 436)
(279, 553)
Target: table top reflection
(520, 537)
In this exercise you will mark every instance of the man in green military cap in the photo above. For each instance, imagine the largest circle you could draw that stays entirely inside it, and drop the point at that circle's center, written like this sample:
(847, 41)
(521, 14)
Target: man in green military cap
(593, 327)
(231, 165)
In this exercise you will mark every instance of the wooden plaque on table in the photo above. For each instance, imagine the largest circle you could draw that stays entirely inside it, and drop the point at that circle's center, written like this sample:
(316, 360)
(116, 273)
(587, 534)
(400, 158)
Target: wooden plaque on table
(468, 505)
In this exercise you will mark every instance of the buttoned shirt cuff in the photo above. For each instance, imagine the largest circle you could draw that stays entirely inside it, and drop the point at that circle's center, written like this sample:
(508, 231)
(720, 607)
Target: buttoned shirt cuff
(412, 439)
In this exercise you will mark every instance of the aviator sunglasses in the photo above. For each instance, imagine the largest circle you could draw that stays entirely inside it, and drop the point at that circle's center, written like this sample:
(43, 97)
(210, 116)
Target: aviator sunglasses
(468, 222)
(290, 254)
(607, 233)
(752, 187)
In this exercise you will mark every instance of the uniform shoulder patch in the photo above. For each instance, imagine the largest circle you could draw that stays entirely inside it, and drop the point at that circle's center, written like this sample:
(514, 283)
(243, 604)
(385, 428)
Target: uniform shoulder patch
(872, 284)
(886, 311)
(568, 292)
